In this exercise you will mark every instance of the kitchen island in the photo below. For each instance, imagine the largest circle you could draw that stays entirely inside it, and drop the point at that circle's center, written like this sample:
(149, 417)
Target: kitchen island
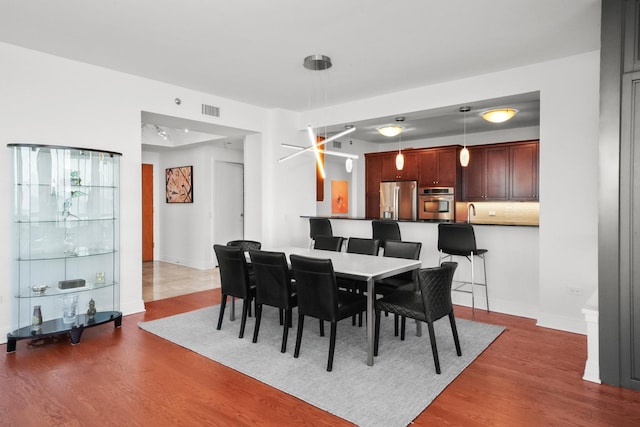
(512, 260)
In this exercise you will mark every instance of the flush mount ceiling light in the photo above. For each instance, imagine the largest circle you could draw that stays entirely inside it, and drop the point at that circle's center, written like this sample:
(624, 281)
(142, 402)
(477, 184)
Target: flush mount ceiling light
(391, 130)
(499, 115)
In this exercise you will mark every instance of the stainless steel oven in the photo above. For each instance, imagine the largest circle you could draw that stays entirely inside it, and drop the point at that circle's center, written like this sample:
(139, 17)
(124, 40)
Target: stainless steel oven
(436, 203)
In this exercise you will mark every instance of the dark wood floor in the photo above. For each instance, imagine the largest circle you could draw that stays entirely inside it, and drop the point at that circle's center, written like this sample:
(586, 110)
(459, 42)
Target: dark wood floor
(529, 376)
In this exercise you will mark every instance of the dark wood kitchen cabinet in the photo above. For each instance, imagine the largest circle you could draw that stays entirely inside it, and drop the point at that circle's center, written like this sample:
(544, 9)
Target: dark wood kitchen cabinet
(524, 171)
(408, 173)
(486, 176)
(500, 172)
(438, 167)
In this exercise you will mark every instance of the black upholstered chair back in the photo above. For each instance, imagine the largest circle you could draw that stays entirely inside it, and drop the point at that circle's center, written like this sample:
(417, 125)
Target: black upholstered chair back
(234, 273)
(456, 239)
(245, 244)
(435, 288)
(384, 230)
(316, 287)
(406, 250)
(319, 227)
(328, 243)
(272, 277)
(356, 245)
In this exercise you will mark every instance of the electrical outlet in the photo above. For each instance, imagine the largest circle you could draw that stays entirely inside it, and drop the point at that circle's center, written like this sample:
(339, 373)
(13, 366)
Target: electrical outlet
(575, 291)
(492, 213)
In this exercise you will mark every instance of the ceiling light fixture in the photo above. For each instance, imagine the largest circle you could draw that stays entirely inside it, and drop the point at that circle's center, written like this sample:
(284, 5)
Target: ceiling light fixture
(390, 130)
(464, 153)
(319, 63)
(499, 115)
(400, 156)
(317, 144)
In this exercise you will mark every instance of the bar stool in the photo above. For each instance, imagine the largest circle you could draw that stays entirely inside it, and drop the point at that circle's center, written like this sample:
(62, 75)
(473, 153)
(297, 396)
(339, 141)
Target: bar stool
(319, 227)
(460, 240)
(384, 230)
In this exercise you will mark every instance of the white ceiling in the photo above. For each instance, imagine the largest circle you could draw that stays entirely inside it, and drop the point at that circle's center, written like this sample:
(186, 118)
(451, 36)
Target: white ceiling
(252, 50)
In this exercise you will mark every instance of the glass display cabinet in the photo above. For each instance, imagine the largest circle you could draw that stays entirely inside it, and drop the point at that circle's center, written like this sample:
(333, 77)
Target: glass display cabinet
(64, 241)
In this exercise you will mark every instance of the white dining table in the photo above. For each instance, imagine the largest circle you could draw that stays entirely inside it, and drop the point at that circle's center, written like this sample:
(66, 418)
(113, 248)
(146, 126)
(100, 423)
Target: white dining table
(368, 268)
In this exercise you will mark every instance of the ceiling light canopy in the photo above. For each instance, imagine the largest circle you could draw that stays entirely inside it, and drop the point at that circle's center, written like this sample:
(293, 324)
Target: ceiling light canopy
(499, 115)
(317, 62)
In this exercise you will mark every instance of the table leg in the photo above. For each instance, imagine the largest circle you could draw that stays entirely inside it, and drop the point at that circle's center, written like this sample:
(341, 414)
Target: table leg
(370, 322)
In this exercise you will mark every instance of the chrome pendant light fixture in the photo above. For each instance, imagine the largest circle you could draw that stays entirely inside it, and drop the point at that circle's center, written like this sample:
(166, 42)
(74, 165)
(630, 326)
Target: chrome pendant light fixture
(464, 153)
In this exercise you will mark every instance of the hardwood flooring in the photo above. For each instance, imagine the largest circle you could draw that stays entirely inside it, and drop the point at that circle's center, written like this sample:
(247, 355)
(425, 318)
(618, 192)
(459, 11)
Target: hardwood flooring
(529, 376)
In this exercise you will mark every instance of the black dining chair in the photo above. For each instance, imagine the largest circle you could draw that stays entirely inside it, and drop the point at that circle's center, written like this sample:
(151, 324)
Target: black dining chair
(274, 287)
(403, 281)
(245, 244)
(319, 297)
(432, 302)
(460, 240)
(328, 243)
(235, 280)
(319, 227)
(385, 230)
(357, 245)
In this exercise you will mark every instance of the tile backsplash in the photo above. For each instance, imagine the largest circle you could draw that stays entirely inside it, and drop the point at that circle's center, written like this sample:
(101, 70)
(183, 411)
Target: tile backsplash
(510, 213)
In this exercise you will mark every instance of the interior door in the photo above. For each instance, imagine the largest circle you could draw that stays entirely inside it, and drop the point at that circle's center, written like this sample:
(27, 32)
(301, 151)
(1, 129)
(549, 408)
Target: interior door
(147, 212)
(229, 201)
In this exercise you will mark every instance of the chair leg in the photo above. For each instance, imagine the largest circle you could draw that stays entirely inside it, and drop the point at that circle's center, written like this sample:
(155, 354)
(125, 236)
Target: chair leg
(285, 332)
(223, 303)
(296, 352)
(256, 329)
(321, 328)
(280, 312)
(454, 330)
(403, 327)
(434, 347)
(376, 337)
(332, 345)
(245, 311)
(395, 325)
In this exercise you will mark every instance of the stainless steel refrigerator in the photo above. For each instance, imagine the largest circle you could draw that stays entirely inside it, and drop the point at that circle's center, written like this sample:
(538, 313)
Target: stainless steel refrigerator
(399, 200)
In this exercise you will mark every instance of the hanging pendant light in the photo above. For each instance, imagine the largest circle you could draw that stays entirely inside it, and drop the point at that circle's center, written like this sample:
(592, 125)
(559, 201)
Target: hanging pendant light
(348, 164)
(464, 153)
(400, 156)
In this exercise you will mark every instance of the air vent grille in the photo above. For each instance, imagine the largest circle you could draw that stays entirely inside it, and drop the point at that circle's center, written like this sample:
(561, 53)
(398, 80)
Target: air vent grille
(337, 144)
(210, 110)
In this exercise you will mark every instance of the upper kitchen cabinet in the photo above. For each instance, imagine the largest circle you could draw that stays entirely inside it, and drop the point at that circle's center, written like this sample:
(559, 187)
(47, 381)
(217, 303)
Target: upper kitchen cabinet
(438, 167)
(486, 177)
(408, 173)
(501, 172)
(524, 171)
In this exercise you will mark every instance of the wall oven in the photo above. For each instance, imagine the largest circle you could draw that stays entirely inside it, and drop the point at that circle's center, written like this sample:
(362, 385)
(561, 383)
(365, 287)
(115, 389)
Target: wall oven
(436, 203)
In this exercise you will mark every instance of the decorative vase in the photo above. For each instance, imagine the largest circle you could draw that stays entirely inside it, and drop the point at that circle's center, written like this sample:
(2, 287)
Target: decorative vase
(36, 320)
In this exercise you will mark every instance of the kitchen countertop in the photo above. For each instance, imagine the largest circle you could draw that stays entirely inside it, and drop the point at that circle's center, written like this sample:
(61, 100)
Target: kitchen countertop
(432, 221)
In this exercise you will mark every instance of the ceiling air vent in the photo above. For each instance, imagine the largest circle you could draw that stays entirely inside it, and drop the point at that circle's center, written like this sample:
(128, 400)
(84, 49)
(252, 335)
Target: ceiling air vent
(210, 110)
(337, 144)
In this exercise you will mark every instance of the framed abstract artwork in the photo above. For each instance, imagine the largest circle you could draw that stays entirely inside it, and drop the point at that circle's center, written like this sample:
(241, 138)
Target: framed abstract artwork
(339, 196)
(179, 183)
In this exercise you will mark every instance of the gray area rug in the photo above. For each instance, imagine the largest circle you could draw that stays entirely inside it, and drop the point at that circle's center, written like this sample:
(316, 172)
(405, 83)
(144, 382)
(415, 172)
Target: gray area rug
(393, 392)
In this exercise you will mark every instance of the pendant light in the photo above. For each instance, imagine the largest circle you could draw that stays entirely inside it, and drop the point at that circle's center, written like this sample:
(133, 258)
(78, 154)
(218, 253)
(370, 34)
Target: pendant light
(400, 156)
(464, 153)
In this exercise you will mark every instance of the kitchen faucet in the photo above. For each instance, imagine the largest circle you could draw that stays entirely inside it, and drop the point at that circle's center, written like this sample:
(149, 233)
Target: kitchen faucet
(470, 208)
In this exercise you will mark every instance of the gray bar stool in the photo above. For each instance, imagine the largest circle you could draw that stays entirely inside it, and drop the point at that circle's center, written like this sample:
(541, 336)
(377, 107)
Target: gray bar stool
(460, 240)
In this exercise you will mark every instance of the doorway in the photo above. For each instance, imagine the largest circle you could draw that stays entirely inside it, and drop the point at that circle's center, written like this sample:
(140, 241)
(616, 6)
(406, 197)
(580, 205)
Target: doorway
(229, 201)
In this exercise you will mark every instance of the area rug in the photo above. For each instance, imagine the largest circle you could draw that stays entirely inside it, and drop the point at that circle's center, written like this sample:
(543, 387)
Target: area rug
(393, 392)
